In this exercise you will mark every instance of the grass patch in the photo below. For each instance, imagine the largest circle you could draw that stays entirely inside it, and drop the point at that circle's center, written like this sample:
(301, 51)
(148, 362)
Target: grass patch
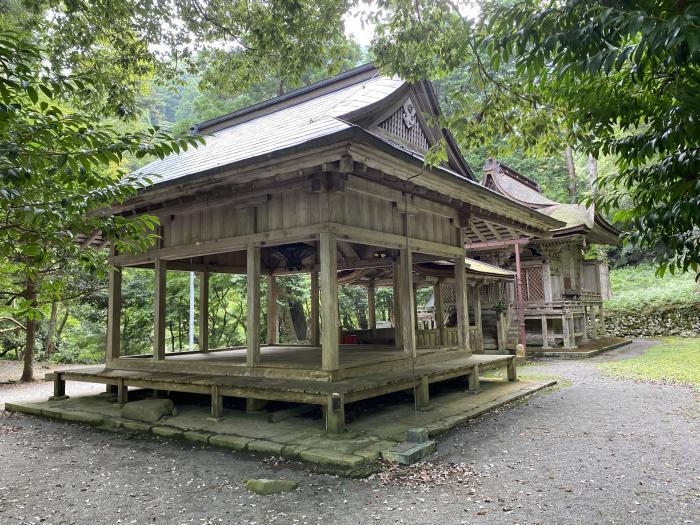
(638, 287)
(674, 360)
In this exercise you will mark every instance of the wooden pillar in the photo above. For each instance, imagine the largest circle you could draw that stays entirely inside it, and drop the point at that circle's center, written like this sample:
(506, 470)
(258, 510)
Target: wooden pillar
(217, 402)
(477, 317)
(272, 314)
(415, 305)
(474, 383)
(519, 297)
(422, 392)
(114, 314)
(59, 387)
(565, 331)
(253, 297)
(439, 312)
(601, 325)
(584, 324)
(512, 370)
(462, 304)
(161, 267)
(396, 275)
(371, 307)
(204, 311)
(330, 359)
(314, 336)
(408, 321)
(545, 333)
(122, 391)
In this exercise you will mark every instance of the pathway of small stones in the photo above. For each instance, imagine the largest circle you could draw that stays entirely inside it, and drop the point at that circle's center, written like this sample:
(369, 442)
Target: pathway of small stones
(600, 450)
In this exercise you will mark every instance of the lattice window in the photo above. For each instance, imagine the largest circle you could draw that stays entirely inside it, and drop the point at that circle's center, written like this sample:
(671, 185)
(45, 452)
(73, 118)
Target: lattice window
(448, 294)
(533, 284)
(404, 124)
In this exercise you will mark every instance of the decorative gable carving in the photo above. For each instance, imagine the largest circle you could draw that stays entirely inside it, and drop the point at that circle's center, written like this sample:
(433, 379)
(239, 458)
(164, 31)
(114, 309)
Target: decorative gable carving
(404, 124)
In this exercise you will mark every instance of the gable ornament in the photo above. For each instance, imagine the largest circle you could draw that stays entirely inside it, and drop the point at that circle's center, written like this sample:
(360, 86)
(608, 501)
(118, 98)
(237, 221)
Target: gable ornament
(409, 114)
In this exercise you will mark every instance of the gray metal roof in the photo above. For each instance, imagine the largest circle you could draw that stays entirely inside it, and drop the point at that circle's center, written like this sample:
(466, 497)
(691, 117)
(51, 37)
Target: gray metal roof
(283, 128)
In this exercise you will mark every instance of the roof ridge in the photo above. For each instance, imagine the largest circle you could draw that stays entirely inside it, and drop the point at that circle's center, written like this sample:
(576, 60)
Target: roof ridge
(358, 71)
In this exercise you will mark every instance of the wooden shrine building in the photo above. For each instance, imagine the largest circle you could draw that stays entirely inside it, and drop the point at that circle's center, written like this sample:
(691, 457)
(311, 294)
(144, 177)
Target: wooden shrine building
(329, 180)
(559, 293)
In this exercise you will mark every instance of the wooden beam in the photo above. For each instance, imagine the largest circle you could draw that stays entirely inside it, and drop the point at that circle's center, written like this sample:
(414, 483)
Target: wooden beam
(161, 267)
(519, 295)
(314, 336)
(272, 311)
(328, 253)
(204, 311)
(253, 296)
(477, 309)
(490, 245)
(114, 314)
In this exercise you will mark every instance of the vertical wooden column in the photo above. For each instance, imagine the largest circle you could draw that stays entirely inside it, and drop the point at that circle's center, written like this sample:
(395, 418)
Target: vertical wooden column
(161, 268)
(314, 336)
(204, 311)
(415, 305)
(330, 358)
(272, 314)
(462, 304)
(519, 297)
(477, 310)
(439, 312)
(114, 314)
(396, 275)
(408, 321)
(565, 331)
(372, 308)
(545, 332)
(253, 296)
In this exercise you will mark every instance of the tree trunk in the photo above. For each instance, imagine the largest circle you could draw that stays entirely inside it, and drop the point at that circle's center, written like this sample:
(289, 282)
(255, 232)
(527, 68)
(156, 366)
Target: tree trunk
(30, 344)
(593, 173)
(569, 154)
(51, 330)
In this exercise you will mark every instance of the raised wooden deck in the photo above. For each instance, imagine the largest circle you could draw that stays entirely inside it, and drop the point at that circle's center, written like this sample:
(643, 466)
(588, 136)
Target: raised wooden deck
(332, 395)
(288, 362)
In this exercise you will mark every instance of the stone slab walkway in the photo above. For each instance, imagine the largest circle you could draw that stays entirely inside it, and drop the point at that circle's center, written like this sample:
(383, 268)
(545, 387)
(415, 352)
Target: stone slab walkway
(596, 450)
(376, 429)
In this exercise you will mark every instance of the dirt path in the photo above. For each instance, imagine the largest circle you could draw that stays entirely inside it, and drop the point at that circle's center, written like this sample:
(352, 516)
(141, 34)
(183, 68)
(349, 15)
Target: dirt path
(601, 450)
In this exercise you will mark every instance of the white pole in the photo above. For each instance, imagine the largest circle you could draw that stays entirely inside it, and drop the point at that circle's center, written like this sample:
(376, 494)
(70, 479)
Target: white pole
(191, 311)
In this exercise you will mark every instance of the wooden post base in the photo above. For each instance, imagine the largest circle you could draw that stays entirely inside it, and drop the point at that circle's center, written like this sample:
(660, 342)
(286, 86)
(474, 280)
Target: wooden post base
(474, 380)
(122, 392)
(512, 372)
(217, 403)
(423, 392)
(335, 414)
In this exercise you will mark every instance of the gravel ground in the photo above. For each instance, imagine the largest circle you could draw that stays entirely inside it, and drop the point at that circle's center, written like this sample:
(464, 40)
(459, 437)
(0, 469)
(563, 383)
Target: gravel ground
(601, 450)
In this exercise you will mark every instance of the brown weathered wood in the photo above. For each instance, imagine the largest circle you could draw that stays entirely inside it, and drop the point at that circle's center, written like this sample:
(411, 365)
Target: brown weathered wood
(422, 390)
(439, 312)
(408, 322)
(314, 325)
(161, 267)
(114, 313)
(204, 311)
(217, 402)
(329, 301)
(461, 304)
(335, 413)
(253, 298)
